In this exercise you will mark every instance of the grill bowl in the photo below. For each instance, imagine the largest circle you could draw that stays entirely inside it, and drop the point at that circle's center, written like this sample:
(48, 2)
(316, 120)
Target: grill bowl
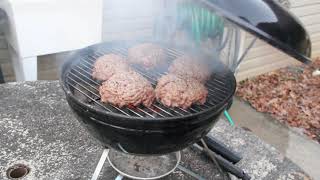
(142, 131)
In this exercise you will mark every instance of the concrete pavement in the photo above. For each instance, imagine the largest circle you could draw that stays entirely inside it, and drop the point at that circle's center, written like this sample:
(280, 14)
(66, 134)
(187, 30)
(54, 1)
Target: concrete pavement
(288, 141)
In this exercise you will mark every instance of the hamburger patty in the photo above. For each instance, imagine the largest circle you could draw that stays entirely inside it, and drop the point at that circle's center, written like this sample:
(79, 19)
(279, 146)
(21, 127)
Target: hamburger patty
(127, 89)
(190, 67)
(148, 55)
(107, 65)
(174, 91)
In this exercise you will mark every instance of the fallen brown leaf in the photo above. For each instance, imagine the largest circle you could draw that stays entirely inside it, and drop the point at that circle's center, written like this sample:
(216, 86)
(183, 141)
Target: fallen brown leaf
(291, 95)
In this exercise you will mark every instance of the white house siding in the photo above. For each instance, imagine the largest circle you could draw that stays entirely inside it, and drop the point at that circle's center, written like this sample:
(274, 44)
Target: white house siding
(127, 19)
(121, 22)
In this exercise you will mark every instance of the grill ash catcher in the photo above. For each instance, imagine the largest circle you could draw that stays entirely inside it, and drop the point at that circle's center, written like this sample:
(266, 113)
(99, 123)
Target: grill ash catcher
(144, 134)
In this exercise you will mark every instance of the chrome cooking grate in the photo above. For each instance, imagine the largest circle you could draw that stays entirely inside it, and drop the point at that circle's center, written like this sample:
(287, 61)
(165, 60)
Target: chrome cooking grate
(84, 87)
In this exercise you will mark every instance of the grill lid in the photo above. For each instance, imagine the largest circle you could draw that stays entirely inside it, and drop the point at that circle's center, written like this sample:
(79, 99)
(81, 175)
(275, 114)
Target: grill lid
(269, 21)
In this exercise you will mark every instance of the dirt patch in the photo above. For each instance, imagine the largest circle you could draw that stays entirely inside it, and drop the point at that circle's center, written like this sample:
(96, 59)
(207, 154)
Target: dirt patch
(291, 95)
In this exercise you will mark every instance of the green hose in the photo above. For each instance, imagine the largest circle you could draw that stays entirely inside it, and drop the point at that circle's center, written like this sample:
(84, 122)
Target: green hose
(199, 22)
(227, 115)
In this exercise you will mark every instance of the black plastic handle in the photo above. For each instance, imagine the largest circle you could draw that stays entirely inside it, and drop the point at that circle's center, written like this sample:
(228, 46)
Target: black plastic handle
(231, 168)
(219, 148)
(225, 164)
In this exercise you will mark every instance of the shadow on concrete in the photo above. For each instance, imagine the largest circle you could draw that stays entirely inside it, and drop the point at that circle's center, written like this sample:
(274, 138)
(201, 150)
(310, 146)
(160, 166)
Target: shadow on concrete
(291, 143)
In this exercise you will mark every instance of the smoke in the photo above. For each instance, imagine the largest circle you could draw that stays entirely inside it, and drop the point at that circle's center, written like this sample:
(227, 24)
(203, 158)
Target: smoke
(2, 20)
(184, 24)
(49, 66)
(162, 21)
(128, 20)
(196, 30)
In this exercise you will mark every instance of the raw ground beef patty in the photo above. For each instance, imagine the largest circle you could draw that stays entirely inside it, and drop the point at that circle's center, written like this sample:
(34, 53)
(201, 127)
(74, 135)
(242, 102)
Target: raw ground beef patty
(187, 66)
(127, 89)
(147, 54)
(174, 91)
(107, 65)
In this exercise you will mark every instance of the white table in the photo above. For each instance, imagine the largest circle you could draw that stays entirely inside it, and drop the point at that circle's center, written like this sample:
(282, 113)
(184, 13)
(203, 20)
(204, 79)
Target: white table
(39, 27)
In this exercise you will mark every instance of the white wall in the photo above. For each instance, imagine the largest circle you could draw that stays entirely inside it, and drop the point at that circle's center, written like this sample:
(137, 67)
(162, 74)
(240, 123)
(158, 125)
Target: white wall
(120, 24)
(127, 19)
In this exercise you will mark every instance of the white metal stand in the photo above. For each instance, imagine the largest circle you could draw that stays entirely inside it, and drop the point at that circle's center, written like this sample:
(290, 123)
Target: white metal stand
(120, 177)
(100, 164)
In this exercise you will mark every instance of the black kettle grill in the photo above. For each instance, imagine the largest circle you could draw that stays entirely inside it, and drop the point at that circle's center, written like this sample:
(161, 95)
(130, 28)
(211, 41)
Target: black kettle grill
(159, 129)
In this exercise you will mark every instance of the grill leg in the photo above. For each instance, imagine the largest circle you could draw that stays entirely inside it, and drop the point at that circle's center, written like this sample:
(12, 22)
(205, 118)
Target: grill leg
(119, 177)
(187, 171)
(100, 164)
(1, 76)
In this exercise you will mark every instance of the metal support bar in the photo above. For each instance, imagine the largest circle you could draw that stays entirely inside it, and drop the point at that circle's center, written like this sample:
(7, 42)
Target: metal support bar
(100, 164)
(119, 177)
(187, 171)
(244, 54)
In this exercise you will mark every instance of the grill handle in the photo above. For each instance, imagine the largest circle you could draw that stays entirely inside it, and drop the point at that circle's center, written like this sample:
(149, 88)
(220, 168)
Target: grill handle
(231, 168)
(224, 164)
(219, 148)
